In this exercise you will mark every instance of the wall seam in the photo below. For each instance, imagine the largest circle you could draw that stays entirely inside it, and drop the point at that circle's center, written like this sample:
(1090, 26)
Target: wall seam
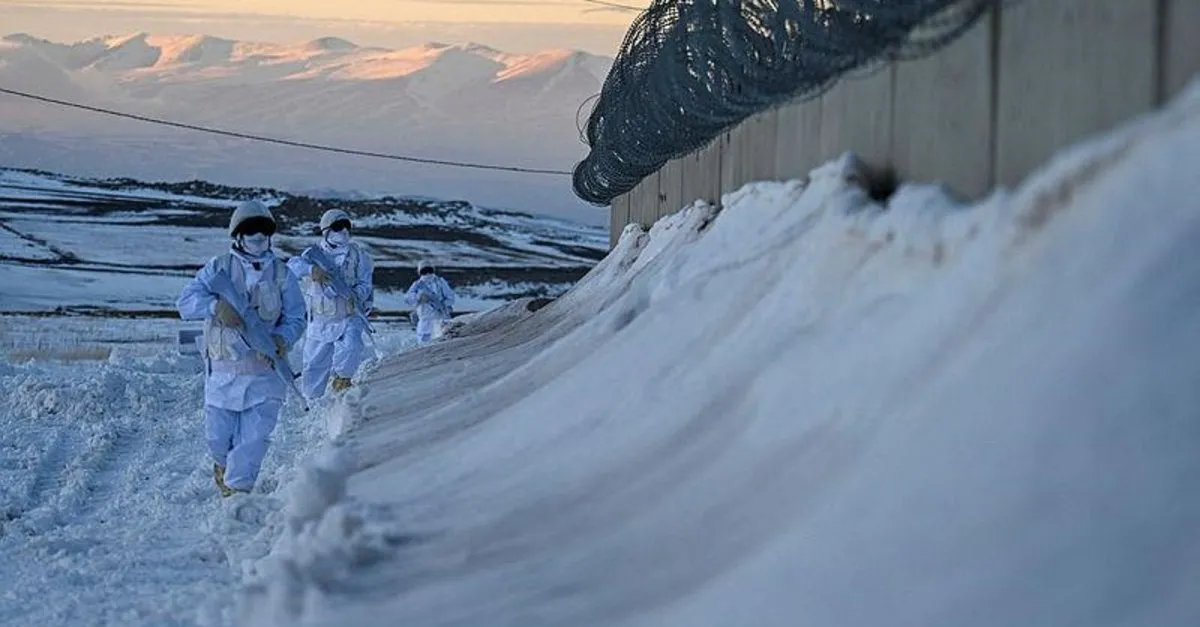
(1162, 14)
(890, 164)
(994, 96)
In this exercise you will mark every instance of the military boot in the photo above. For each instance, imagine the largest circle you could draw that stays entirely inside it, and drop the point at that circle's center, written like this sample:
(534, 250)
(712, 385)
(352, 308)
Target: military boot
(219, 479)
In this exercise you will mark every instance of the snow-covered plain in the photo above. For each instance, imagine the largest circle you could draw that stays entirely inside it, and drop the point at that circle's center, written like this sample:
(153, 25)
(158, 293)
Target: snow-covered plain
(805, 408)
(126, 245)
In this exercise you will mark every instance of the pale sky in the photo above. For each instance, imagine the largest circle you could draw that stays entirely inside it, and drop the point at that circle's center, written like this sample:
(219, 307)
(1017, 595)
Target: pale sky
(512, 25)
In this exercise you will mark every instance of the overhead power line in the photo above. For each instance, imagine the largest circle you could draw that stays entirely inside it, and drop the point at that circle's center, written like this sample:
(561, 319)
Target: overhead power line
(615, 5)
(283, 142)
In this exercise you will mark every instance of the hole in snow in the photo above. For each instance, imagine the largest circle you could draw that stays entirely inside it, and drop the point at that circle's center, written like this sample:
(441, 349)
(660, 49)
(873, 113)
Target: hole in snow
(881, 183)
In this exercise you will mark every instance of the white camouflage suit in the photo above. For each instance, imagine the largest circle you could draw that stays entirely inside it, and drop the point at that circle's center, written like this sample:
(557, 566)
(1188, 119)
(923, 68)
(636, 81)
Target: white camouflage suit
(242, 392)
(432, 300)
(333, 343)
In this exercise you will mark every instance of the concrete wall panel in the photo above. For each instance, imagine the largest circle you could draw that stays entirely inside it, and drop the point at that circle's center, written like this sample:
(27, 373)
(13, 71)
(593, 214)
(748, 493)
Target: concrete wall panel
(943, 115)
(1069, 69)
(670, 187)
(635, 203)
(646, 211)
(702, 175)
(732, 165)
(757, 148)
(748, 152)
(856, 116)
(798, 143)
(1181, 45)
(618, 218)
(693, 176)
(995, 105)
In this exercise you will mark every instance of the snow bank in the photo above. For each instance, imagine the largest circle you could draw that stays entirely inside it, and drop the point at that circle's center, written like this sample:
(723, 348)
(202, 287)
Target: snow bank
(495, 318)
(808, 408)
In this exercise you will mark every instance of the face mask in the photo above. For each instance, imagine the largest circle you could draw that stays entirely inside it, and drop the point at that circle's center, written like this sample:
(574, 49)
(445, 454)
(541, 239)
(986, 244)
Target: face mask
(256, 245)
(338, 238)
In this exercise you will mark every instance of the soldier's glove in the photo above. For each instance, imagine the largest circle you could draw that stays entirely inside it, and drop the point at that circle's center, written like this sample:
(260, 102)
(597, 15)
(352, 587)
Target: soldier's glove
(227, 315)
(320, 275)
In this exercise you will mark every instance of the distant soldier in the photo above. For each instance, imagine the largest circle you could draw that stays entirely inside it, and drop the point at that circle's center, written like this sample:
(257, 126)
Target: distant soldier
(433, 301)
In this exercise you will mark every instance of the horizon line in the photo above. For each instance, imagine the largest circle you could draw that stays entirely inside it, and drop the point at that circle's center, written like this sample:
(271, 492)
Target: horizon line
(8, 37)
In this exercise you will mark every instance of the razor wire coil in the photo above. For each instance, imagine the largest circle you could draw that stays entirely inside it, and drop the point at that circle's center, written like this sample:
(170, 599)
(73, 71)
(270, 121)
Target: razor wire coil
(690, 70)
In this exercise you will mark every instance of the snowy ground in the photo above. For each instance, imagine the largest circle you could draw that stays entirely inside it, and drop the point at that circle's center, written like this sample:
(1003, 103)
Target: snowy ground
(806, 408)
(108, 515)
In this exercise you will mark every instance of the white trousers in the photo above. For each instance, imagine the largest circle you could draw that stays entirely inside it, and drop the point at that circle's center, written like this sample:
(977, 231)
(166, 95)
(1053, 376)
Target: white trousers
(342, 357)
(429, 329)
(238, 440)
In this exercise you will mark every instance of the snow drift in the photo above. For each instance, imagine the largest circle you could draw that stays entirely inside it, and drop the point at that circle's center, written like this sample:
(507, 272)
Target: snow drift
(807, 408)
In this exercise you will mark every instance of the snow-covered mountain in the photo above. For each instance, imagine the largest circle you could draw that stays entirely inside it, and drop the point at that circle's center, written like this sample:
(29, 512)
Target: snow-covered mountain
(123, 245)
(457, 102)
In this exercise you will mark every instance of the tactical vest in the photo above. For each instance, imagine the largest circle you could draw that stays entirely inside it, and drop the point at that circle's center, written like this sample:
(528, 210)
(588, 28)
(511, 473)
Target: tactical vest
(324, 306)
(266, 297)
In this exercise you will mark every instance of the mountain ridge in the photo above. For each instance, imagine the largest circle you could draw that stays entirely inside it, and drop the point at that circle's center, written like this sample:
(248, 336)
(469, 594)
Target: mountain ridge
(444, 101)
(144, 51)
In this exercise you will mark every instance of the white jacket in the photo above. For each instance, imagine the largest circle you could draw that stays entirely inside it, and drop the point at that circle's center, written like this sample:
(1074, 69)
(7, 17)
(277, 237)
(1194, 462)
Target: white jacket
(238, 378)
(330, 314)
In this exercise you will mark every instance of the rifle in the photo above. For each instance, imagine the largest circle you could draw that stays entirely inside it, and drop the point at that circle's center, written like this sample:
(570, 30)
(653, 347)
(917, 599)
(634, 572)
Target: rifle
(316, 256)
(255, 333)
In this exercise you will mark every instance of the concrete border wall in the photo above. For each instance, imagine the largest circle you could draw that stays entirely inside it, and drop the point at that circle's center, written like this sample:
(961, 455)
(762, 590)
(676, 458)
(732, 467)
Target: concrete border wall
(985, 111)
